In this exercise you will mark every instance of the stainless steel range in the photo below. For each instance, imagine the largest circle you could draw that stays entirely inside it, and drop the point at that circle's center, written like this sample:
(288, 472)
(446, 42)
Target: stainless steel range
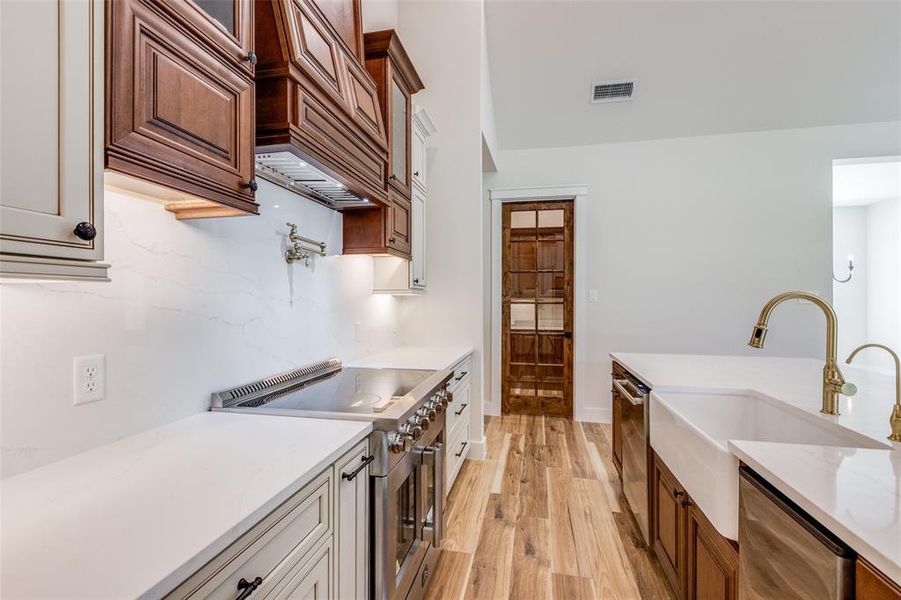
(406, 408)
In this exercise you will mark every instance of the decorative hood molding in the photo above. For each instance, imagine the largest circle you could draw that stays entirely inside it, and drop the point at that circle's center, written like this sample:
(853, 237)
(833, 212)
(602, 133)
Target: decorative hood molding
(315, 100)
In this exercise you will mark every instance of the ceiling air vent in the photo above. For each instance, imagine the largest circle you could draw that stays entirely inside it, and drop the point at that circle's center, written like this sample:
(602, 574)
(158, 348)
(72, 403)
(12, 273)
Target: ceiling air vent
(612, 91)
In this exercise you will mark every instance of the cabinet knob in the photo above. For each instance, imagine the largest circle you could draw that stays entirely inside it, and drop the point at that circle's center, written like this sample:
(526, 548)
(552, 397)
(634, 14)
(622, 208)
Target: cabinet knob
(394, 177)
(416, 173)
(85, 231)
(252, 185)
(415, 280)
(392, 239)
(251, 58)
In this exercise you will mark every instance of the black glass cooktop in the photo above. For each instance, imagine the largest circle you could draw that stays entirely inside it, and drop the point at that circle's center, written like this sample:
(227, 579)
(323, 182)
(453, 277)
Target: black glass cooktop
(350, 390)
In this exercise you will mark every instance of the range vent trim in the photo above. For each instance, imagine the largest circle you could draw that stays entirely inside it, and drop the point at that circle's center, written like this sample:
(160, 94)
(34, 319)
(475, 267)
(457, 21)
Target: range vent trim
(293, 173)
(617, 90)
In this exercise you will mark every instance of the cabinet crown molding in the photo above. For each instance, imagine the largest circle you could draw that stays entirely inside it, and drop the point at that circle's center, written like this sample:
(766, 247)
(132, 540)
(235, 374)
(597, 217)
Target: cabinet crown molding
(379, 44)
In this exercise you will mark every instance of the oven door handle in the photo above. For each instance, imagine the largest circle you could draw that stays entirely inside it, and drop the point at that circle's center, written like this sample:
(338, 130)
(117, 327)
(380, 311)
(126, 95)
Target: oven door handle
(620, 385)
(433, 457)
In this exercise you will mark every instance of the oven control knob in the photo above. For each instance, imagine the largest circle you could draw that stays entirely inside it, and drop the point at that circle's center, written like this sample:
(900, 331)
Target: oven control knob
(411, 430)
(436, 404)
(399, 442)
(420, 421)
(448, 397)
(428, 411)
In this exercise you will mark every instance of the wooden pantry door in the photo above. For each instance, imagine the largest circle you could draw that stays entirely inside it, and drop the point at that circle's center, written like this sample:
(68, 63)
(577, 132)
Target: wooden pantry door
(537, 306)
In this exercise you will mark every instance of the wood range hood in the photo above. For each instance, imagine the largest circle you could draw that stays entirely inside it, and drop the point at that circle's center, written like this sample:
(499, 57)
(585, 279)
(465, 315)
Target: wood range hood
(319, 126)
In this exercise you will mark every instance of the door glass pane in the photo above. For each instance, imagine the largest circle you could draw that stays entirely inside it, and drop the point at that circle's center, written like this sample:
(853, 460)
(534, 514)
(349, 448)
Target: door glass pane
(522, 315)
(550, 349)
(550, 285)
(522, 219)
(523, 255)
(522, 285)
(550, 381)
(221, 10)
(398, 133)
(522, 380)
(550, 255)
(550, 219)
(406, 519)
(550, 317)
(522, 348)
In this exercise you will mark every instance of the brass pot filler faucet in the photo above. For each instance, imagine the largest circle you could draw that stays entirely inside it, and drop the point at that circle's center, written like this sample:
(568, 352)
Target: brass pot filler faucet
(833, 381)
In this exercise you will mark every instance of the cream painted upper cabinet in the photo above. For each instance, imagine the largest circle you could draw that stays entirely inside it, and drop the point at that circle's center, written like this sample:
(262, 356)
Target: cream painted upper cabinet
(51, 139)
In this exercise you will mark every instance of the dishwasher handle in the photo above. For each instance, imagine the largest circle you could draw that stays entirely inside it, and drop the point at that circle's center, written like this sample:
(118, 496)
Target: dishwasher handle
(620, 385)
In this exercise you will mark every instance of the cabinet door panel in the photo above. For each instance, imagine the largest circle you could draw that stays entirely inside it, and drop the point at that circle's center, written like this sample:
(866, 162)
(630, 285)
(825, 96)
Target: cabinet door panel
(418, 235)
(227, 25)
(352, 525)
(618, 433)
(399, 230)
(399, 104)
(419, 158)
(712, 565)
(184, 116)
(668, 524)
(51, 152)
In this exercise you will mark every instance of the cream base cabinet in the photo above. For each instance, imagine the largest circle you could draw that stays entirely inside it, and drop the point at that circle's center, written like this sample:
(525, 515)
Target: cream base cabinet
(51, 148)
(314, 546)
(458, 423)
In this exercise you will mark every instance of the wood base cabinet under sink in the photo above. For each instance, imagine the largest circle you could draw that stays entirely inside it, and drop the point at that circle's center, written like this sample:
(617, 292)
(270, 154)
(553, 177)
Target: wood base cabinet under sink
(699, 563)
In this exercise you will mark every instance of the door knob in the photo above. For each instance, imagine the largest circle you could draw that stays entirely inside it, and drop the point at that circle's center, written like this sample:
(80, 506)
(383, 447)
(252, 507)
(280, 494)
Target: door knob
(85, 231)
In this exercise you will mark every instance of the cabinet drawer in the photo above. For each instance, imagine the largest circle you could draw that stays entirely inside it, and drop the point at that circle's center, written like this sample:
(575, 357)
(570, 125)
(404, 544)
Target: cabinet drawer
(310, 579)
(272, 548)
(457, 451)
(458, 409)
(461, 372)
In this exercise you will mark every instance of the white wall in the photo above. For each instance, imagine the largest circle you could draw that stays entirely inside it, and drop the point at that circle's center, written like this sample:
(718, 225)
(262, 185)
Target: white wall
(689, 237)
(849, 237)
(193, 307)
(379, 14)
(443, 38)
(884, 278)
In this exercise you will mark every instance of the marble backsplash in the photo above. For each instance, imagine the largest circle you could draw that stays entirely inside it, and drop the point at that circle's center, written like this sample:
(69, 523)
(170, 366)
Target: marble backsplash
(193, 307)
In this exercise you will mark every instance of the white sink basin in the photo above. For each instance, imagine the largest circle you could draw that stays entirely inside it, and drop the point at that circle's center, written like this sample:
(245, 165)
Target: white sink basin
(691, 431)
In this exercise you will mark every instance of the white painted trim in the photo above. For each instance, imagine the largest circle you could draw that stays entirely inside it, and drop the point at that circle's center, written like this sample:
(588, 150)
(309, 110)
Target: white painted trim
(579, 194)
(595, 414)
(477, 449)
(530, 194)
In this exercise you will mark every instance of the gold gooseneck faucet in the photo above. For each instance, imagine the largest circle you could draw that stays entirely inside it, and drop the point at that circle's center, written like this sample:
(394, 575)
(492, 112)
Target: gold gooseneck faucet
(833, 381)
(895, 418)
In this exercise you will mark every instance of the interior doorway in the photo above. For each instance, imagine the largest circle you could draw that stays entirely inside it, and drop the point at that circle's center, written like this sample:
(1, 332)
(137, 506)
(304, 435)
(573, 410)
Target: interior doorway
(866, 254)
(537, 308)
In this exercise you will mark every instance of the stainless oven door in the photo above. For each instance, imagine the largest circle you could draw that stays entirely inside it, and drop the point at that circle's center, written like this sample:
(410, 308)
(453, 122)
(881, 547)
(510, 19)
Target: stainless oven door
(398, 547)
(634, 422)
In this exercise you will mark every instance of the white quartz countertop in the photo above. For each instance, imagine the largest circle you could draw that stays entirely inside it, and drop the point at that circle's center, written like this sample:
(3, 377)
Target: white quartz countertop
(138, 516)
(854, 492)
(414, 357)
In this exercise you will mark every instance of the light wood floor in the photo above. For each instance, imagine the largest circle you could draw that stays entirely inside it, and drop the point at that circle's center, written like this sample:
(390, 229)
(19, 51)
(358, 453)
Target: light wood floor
(542, 517)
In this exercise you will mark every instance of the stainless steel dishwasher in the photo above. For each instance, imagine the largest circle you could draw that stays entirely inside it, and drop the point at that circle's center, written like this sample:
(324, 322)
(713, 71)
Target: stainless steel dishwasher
(784, 552)
(635, 449)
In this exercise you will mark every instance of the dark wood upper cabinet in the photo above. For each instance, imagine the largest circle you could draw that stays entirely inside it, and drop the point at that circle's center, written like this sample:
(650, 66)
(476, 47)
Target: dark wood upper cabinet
(180, 104)
(397, 81)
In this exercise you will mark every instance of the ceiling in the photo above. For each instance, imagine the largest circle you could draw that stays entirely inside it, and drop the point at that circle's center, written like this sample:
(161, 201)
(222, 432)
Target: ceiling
(861, 182)
(700, 68)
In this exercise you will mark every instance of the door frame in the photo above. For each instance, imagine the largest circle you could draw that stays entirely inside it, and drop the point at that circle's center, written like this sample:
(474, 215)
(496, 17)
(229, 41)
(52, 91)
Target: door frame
(578, 194)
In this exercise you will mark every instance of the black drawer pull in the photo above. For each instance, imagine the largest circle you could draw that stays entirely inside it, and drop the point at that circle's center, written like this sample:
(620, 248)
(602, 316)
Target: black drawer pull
(462, 448)
(247, 587)
(462, 408)
(461, 375)
(366, 460)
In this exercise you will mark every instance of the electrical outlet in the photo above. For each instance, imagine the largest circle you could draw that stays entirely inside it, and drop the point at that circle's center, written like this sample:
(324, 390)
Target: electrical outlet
(592, 295)
(89, 378)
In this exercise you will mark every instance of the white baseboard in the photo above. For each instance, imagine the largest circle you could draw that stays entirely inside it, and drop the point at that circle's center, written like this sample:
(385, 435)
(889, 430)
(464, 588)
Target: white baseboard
(594, 414)
(477, 449)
